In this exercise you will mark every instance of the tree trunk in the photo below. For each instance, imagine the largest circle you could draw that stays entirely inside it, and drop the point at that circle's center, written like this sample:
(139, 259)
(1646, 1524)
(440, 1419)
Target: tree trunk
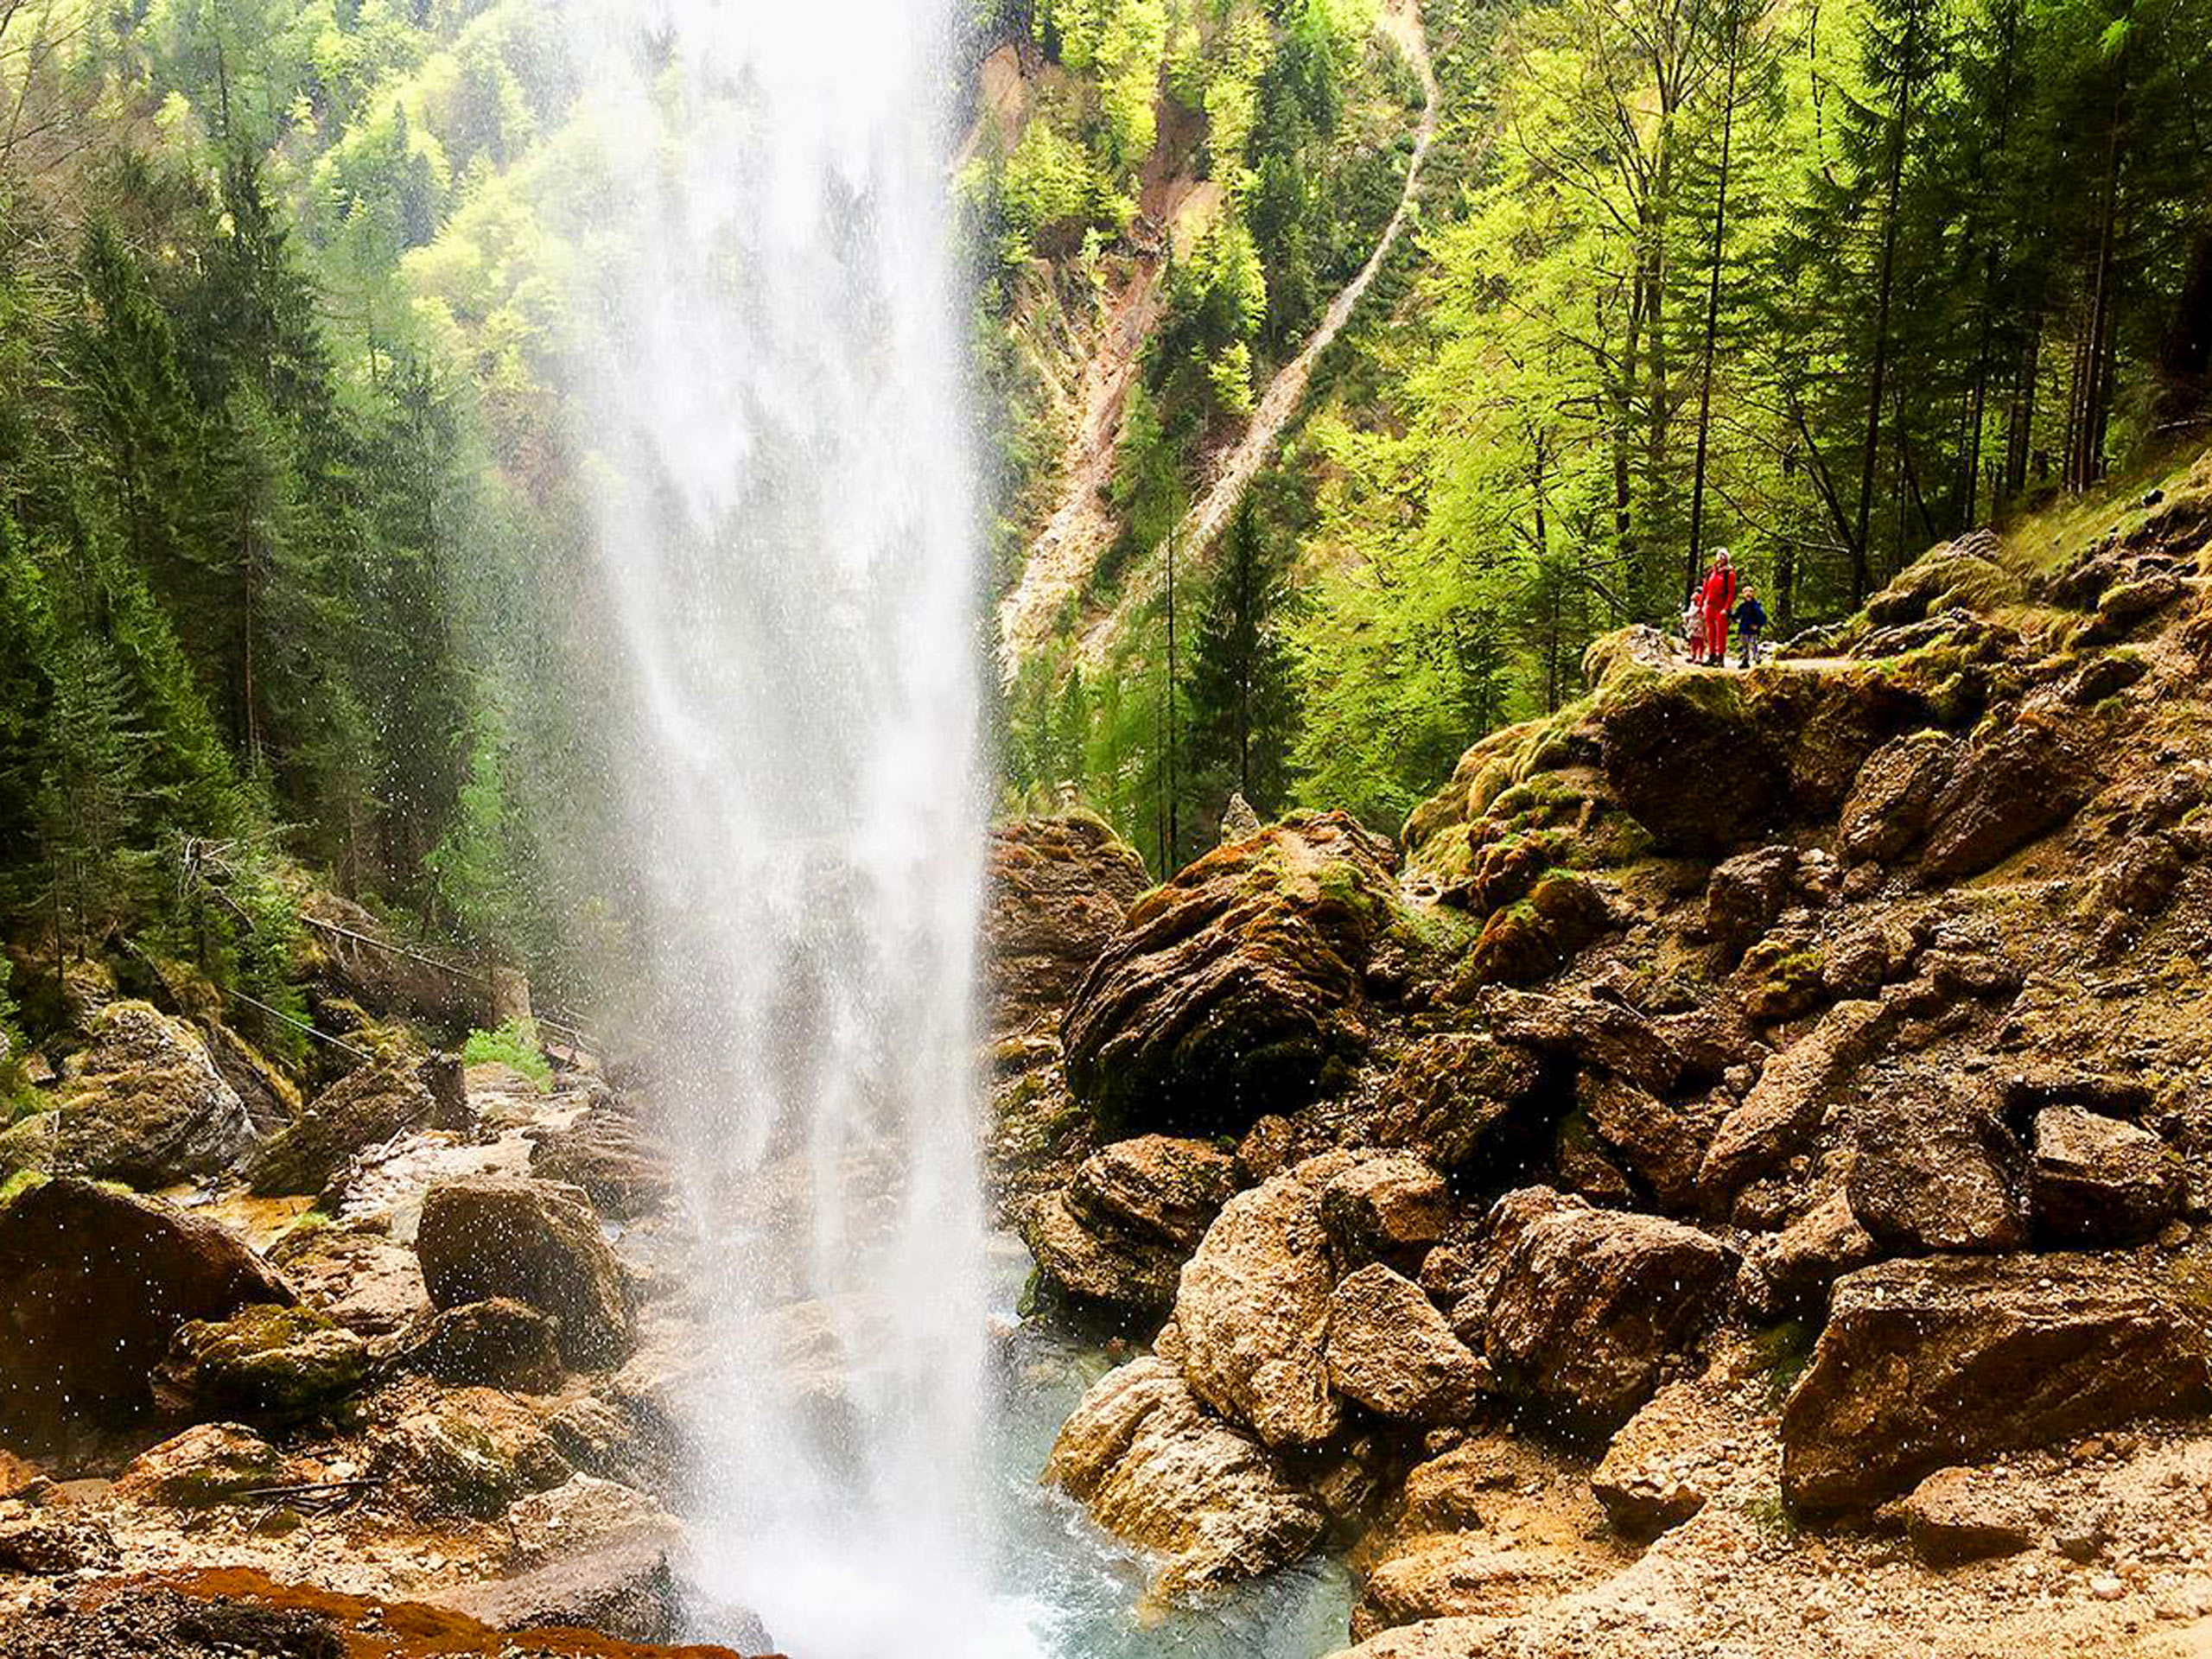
(1885, 283)
(1712, 326)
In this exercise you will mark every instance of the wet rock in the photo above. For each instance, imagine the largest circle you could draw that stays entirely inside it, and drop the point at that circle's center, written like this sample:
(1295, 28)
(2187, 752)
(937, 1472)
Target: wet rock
(499, 1343)
(1789, 1271)
(1660, 729)
(1746, 894)
(1888, 806)
(472, 1454)
(1785, 1107)
(1235, 984)
(1385, 1209)
(1156, 1468)
(2008, 790)
(213, 1464)
(1933, 1167)
(581, 1513)
(271, 1100)
(1450, 1492)
(1390, 1350)
(1253, 1308)
(360, 1276)
(1661, 1144)
(537, 1242)
(1119, 1232)
(608, 1155)
(1060, 889)
(1461, 1572)
(364, 1109)
(1591, 1031)
(269, 1361)
(143, 1104)
(2097, 1181)
(93, 1283)
(1965, 1514)
(623, 1586)
(1589, 1307)
(54, 1544)
(1925, 1363)
(1457, 1096)
(1531, 939)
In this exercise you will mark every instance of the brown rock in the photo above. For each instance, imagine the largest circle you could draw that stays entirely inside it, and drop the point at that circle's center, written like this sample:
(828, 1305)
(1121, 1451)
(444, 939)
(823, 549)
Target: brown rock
(53, 1544)
(143, 1103)
(2007, 791)
(2096, 1181)
(1789, 1271)
(213, 1464)
(1456, 1098)
(360, 1277)
(1661, 1145)
(473, 1453)
(607, 1155)
(1590, 1031)
(1119, 1232)
(1888, 806)
(1389, 1348)
(1253, 1308)
(365, 1107)
(537, 1242)
(1156, 1469)
(1925, 1363)
(1462, 1572)
(93, 1283)
(622, 1586)
(1386, 1209)
(1933, 1168)
(281, 1362)
(499, 1344)
(1060, 889)
(1965, 1514)
(1589, 1306)
(1785, 1107)
(1235, 984)
(1746, 894)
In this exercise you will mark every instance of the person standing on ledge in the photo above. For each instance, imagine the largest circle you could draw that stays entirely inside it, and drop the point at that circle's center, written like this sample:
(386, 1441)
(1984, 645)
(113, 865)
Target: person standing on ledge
(1717, 599)
(1751, 623)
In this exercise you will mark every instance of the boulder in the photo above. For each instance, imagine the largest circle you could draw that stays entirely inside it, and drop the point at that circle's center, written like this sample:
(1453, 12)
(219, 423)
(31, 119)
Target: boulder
(1457, 1096)
(1390, 1350)
(1889, 806)
(1954, 1359)
(1589, 1307)
(472, 1453)
(607, 1155)
(364, 1109)
(581, 1513)
(1966, 1515)
(1661, 1144)
(1156, 1468)
(1662, 730)
(1386, 1209)
(281, 1362)
(622, 1586)
(361, 1277)
(1933, 1167)
(537, 1241)
(1789, 1271)
(1446, 1574)
(1119, 1232)
(56, 1544)
(1253, 1308)
(271, 1099)
(1785, 1109)
(2098, 1180)
(2010, 788)
(498, 1343)
(215, 1463)
(1233, 985)
(93, 1284)
(1598, 1032)
(1746, 894)
(1060, 889)
(143, 1104)
(1531, 938)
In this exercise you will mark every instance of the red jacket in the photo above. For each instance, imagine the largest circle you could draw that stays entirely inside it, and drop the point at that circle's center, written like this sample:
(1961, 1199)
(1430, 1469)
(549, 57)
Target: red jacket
(1719, 594)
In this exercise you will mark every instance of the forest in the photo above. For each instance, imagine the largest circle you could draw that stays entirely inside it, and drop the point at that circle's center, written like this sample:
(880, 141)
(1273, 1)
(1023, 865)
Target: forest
(293, 586)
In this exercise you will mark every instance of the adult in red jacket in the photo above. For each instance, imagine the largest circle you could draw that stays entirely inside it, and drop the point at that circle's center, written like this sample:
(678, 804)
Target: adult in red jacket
(1716, 599)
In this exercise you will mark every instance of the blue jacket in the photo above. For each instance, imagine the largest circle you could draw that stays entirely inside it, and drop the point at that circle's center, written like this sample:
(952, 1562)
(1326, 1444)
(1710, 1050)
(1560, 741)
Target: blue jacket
(1750, 616)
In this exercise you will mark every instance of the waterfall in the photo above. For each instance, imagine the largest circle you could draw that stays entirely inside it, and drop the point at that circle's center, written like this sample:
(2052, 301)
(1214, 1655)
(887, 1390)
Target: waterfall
(768, 387)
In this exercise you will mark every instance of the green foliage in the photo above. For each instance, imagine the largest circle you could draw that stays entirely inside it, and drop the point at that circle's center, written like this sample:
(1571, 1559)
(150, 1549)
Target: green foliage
(514, 1045)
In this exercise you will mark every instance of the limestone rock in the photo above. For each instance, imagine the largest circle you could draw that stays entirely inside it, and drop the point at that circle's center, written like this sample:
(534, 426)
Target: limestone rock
(1789, 1271)
(472, 1453)
(1156, 1469)
(1589, 1307)
(2097, 1181)
(1253, 1308)
(1389, 1348)
(274, 1361)
(1746, 894)
(364, 1278)
(1531, 939)
(1386, 1209)
(1119, 1232)
(1661, 729)
(622, 1586)
(1591, 1031)
(1661, 1144)
(93, 1283)
(1933, 1168)
(1966, 1515)
(499, 1343)
(54, 1544)
(1888, 806)
(364, 1109)
(581, 1513)
(2008, 790)
(1234, 984)
(143, 1103)
(1785, 1107)
(1457, 1096)
(537, 1241)
(213, 1464)
(607, 1155)
(1461, 1572)
(1925, 1363)
(1060, 889)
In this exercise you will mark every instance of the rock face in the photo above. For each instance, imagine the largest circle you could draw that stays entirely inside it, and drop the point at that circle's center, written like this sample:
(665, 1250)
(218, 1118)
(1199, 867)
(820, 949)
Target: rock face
(1233, 984)
(1457, 1096)
(274, 1361)
(2098, 1180)
(537, 1242)
(1587, 1306)
(1156, 1468)
(2005, 793)
(1120, 1230)
(93, 1284)
(144, 1105)
(1933, 1168)
(1253, 1308)
(1388, 1208)
(1664, 728)
(365, 1107)
(606, 1154)
(498, 1343)
(1925, 1363)
(1390, 1350)
(1060, 889)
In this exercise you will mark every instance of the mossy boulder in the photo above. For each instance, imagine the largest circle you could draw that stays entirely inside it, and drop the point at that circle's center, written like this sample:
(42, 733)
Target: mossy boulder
(1060, 889)
(144, 1105)
(211, 1464)
(365, 1107)
(1533, 938)
(537, 1242)
(1459, 1099)
(267, 1360)
(1688, 757)
(1234, 985)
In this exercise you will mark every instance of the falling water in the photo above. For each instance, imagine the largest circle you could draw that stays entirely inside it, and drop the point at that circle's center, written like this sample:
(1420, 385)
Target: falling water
(771, 395)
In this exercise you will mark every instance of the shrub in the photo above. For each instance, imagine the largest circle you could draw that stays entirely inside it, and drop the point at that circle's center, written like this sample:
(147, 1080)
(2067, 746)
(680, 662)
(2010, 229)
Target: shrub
(515, 1045)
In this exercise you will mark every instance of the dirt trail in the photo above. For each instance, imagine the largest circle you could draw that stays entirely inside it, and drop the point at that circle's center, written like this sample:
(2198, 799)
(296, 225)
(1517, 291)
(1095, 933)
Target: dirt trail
(1234, 472)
